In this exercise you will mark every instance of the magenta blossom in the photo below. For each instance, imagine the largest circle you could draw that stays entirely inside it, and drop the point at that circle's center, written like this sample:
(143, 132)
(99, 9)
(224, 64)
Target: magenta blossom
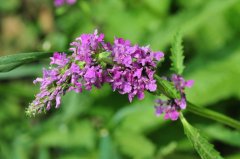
(128, 68)
(170, 108)
(75, 72)
(59, 3)
(134, 70)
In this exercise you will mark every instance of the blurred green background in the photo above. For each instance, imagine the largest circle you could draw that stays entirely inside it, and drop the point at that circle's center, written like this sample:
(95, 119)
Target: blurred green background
(102, 124)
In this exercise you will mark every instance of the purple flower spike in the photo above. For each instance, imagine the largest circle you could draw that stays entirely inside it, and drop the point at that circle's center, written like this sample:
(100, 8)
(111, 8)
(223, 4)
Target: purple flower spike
(129, 70)
(69, 73)
(171, 107)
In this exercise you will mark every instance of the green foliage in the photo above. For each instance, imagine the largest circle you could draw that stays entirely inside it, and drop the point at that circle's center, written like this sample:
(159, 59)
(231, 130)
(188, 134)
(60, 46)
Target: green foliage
(219, 71)
(67, 133)
(9, 5)
(128, 117)
(132, 143)
(7, 63)
(202, 146)
(228, 136)
(107, 148)
(76, 130)
(189, 20)
(23, 71)
(177, 56)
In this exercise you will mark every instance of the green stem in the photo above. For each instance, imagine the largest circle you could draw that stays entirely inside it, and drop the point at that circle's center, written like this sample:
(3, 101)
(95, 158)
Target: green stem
(168, 90)
(210, 114)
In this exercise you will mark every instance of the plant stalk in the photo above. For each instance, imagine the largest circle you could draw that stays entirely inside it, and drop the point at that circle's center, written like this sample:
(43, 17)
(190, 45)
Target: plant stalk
(210, 114)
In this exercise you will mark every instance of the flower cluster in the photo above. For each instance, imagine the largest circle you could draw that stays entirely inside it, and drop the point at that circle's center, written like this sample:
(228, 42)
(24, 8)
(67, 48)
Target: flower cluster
(59, 3)
(134, 69)
(52, 85)
(171, 107)
(129, 69)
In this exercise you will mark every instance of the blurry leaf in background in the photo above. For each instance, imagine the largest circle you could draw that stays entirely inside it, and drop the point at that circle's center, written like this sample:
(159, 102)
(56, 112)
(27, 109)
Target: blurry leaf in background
(74, 105)
(133, 144)
(80, 134)
(209, 38)
(56, 41)
(167, 149)
(189, 21)
(138, 117)
(221, 75)
(234, 156)
(9, 107)
(107, 148)
(23, 71)
(9, 5)
(157, 7)
(223, 134)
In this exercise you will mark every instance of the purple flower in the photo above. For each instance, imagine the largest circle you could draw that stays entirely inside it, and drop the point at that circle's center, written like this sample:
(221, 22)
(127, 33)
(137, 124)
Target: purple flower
(171, 107)
(151, 86)
(59, 59)
(59, 3)
(189, 83)
(70, 2)
(58, 100)
(135, 68)
(90, 73)
(130, 71)
(158, 55)
(171, 113)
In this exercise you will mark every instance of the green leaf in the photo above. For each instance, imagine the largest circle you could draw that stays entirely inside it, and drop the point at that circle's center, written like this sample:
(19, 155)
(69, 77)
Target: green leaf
(43, 153)
(106, 148)
(202, 146)
(166, 87)
(74, 105)
(177, 54)
(10, 5)
(228, 136)
(220, 70)
(137, 116)
(23, 71)
(78, 134)
(135, 145)
(9, 62)
(189, 20)
(233, 156)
